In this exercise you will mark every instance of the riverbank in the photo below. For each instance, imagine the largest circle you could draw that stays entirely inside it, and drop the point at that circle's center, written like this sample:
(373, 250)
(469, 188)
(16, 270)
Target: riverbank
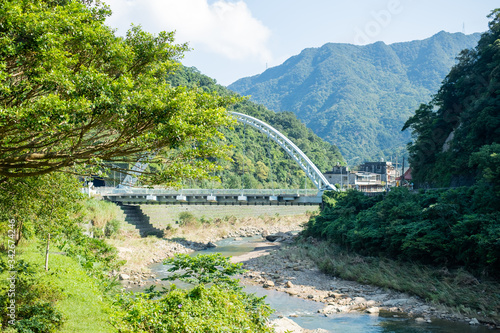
(138, 253)
(288, 268)
(292, 269)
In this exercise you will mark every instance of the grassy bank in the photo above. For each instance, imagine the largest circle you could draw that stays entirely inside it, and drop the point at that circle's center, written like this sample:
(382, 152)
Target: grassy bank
(66, 286)
(457, 290)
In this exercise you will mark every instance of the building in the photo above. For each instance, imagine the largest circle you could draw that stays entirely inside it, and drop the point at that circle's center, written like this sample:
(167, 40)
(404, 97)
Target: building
(368, 182)
(371, 177)
(386, 170)
(341, 176)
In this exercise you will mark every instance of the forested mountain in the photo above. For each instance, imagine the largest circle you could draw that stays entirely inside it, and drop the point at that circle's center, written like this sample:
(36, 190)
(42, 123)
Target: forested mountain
(251, 152)
(457, 134)
(359, 97)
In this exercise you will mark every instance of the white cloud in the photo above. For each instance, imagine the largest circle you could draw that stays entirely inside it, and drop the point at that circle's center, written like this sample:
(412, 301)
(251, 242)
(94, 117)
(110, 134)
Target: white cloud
(223, 27)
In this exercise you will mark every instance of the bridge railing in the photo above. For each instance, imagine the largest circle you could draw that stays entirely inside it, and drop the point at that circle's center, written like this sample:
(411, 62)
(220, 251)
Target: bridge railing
(215, 192)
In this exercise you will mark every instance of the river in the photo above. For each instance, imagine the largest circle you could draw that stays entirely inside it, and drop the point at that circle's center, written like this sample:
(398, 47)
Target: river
(305, 312)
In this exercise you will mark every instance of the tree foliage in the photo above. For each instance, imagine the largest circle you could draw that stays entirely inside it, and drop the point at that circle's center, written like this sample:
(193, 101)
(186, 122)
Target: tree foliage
(452, 132)
(454, 227)
(255, 161)
(216, 303)
(209, 268)
(41, 205)
(73, 95)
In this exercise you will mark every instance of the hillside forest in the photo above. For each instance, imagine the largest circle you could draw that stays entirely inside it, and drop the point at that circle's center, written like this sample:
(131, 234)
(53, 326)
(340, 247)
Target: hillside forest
(456, 137)
(256, 162)
(359, 97)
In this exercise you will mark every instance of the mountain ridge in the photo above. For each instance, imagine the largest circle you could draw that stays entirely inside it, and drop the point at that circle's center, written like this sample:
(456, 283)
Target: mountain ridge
(358, 97)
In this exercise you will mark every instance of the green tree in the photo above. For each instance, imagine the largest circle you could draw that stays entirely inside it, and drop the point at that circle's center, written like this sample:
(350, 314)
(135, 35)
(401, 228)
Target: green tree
(254, 150)
(41, 205)
(463, 116)
(215, 304)
(73, 95)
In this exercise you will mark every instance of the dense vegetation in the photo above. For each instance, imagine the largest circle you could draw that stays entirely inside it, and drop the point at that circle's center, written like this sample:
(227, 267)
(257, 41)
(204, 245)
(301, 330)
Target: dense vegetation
(456, 137)
(358, 97)
(441, 227)
(40, 214)
(216, 303)
(257, 162)
(73, 95)
(457, 134)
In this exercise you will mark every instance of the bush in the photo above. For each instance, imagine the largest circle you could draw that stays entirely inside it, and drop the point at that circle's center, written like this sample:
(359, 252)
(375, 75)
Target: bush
(112, 227)
(187, 218)
(442, 227)
(215, 304)
(201, 309)
(35, 300)
(100, 212)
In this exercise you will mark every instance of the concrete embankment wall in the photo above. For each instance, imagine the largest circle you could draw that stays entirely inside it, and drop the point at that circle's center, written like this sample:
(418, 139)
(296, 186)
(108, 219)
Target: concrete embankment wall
(169, 214)
(151, 219)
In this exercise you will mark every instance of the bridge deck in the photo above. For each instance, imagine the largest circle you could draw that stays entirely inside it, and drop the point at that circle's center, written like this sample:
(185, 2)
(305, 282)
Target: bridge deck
(211, 197)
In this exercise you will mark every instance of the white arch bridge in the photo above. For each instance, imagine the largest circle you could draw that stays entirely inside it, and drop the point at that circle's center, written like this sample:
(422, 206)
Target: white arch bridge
(125, 193)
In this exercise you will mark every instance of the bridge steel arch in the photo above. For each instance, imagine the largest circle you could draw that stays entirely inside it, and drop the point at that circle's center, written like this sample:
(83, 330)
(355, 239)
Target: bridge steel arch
(318, 179)
(316, 176)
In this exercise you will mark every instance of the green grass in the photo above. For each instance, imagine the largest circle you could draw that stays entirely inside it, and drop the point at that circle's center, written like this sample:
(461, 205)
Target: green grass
(82, 306)
(456, 289)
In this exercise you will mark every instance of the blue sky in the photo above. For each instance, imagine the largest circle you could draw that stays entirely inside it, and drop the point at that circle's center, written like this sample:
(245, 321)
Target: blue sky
(234, 39)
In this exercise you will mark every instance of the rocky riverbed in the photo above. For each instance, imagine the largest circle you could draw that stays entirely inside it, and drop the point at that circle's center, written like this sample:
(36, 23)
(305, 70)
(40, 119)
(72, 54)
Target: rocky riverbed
(272, 269)
(140, 253)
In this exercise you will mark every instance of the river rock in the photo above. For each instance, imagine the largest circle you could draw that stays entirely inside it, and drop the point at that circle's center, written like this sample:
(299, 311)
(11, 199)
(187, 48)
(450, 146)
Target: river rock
(211, 245)
(474, 321)
(275, 237)
(289, 284)
(373, 310)
(268, 284)
(124, 276)
(396, 302)
(359, 300)
(284, 325)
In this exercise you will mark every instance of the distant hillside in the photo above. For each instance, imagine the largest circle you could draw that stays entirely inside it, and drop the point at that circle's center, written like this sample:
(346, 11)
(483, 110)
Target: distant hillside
(359, 97)
(252, 150)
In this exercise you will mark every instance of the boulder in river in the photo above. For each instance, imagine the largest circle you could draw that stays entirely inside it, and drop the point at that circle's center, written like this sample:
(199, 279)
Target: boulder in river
(211, 245)
(283, 325)
(268, 284)
(280, 236)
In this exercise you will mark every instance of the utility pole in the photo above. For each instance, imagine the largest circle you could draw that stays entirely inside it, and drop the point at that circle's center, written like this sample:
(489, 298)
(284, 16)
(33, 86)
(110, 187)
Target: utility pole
(403, 171)
(341, 177)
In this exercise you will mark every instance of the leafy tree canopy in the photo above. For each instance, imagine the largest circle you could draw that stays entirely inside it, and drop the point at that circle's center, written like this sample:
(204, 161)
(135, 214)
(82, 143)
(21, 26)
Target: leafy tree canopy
(72, 95)
(457, 132)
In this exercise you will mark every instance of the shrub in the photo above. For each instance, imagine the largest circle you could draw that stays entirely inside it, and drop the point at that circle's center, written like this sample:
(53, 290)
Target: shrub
(35, 300)
(186, 218)
(112, 227)
(444, 227)
(215, 304)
